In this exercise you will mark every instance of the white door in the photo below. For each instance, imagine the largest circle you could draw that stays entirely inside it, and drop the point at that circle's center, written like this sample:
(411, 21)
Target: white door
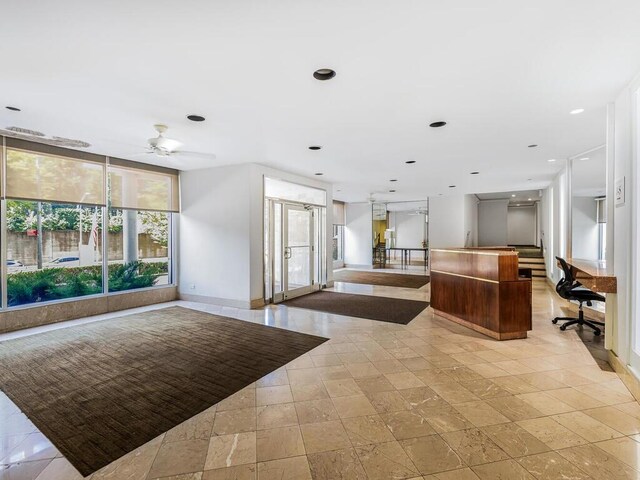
(297, 251)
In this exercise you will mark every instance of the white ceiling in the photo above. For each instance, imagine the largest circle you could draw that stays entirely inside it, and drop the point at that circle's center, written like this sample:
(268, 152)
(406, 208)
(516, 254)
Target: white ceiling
(503, 73)
(514, 197)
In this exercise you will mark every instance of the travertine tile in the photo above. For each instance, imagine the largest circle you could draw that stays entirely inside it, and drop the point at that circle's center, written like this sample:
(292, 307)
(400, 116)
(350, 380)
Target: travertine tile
(313, 391)
(196, 428)
(353, 406)
(231, 450)
(24, 470)
(241, 472)
(544, 403)
(407, 424)
(422, 397)
(385, 402)
(504, 470)
(342, 464)
(551, 433)
(184, 456)
(342, 387)
(474, 446)
(513, 408)
(321, 437)
(485, 388)
(276, 415)
(292, 468)
(278, 443)
(59, 469)
(551, 465)
(624, 449)
(445, 419)
(459, 474)
(453, 392)
(575, 398)
(599, 464)
(245, 398)
(272, 395)
(134, 465)
(480, 413)
(587, 427)
(367, 430)
(431, 454)
(616, 419)
(515, 440)
(235, 421)
(403, 380)
(386, 460)
(374, 384)
(315, 411)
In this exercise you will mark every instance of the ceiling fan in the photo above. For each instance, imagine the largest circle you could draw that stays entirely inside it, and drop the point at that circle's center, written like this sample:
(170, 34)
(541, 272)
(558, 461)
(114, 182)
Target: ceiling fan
(162, 146)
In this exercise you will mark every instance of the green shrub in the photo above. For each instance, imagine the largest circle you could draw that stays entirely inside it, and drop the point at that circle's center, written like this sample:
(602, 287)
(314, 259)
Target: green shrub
(58, 283)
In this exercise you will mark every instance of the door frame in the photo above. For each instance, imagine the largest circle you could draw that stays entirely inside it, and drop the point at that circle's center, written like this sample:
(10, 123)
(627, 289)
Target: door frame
(315, 284)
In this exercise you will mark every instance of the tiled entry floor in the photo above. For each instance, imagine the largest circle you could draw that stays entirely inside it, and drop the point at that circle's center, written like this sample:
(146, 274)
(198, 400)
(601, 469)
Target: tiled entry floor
(429, 400)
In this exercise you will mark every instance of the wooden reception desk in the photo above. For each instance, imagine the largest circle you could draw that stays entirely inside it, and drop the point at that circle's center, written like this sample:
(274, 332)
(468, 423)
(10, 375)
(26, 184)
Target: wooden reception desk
(482, 289)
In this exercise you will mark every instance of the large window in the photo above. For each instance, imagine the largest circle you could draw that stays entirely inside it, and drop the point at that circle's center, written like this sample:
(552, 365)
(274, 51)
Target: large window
(65, 211)
(338, 243)
(54, 251)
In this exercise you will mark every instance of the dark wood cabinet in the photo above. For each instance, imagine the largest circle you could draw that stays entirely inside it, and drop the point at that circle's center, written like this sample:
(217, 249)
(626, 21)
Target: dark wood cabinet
(482, 289)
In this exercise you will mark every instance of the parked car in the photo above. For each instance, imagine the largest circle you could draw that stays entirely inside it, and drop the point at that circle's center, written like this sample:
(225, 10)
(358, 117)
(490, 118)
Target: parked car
(14, 264)
(64, 262)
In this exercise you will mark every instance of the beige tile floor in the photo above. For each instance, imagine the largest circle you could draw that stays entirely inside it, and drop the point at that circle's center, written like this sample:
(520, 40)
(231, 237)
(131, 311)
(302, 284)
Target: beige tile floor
(430, 400)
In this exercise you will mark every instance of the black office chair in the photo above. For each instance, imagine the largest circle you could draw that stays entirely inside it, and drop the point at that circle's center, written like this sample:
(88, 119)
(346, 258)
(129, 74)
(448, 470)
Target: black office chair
(571, 289)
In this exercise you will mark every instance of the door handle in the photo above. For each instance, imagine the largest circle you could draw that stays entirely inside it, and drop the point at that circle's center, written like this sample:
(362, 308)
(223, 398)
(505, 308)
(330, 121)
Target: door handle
(287, 253)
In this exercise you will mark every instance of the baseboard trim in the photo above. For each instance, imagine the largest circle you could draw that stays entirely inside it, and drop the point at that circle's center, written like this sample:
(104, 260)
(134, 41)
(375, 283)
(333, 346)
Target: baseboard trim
(357, 265)
(627, 376)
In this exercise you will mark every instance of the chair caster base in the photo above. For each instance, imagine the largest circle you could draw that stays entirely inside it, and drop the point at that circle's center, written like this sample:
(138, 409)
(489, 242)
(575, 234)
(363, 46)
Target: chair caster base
(554, 321)
(563, 328)
(596, 333)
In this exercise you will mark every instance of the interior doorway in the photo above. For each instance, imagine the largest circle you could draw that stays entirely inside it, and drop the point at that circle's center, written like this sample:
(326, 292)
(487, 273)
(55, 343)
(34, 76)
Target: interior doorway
(295, 252)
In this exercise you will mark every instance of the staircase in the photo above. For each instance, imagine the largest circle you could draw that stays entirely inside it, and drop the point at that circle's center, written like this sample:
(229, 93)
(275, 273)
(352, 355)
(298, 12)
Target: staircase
(531, 257)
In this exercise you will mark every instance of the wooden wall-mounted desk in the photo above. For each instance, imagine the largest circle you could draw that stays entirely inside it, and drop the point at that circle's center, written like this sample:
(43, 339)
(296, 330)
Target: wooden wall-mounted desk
(482, 289)
(598, 277)
(593, 275)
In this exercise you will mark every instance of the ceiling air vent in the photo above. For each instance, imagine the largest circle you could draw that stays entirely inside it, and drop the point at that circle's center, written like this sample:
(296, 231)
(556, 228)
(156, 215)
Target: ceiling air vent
(25, 131)
(26, 134)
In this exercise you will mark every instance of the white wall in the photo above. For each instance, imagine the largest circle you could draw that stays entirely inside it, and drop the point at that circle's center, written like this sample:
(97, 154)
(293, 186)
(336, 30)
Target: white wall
(492, 222)
(447, 221)
(410, 229)
(221, 249)
(521, 225)
(584, 230)
(358, 234)
(624, 250)
(215, 234)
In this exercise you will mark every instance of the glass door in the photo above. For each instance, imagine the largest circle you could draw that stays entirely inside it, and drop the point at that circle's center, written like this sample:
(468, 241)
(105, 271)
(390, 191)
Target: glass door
(297, 250)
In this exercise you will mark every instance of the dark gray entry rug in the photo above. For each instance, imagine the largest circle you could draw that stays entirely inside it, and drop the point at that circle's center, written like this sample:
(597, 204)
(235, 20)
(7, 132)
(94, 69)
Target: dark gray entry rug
(393, 310)
(381, 278)
(100, 390)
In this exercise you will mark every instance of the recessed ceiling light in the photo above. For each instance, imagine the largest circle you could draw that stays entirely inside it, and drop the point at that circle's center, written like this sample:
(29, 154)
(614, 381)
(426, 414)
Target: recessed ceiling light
(392, 191)
(584, 159)
(529, 179)
(452, 186)
(393, 180)
(324, 74)
(315, 147)
(196, 118)
(533, 145)
(338, 190)
(551, 160)
(475, 173)
(528, 199)
(410, 161)
(576, 111)
(437, 124)
(517, 205)
(513, 194)
(13, 109)
(319, 173)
